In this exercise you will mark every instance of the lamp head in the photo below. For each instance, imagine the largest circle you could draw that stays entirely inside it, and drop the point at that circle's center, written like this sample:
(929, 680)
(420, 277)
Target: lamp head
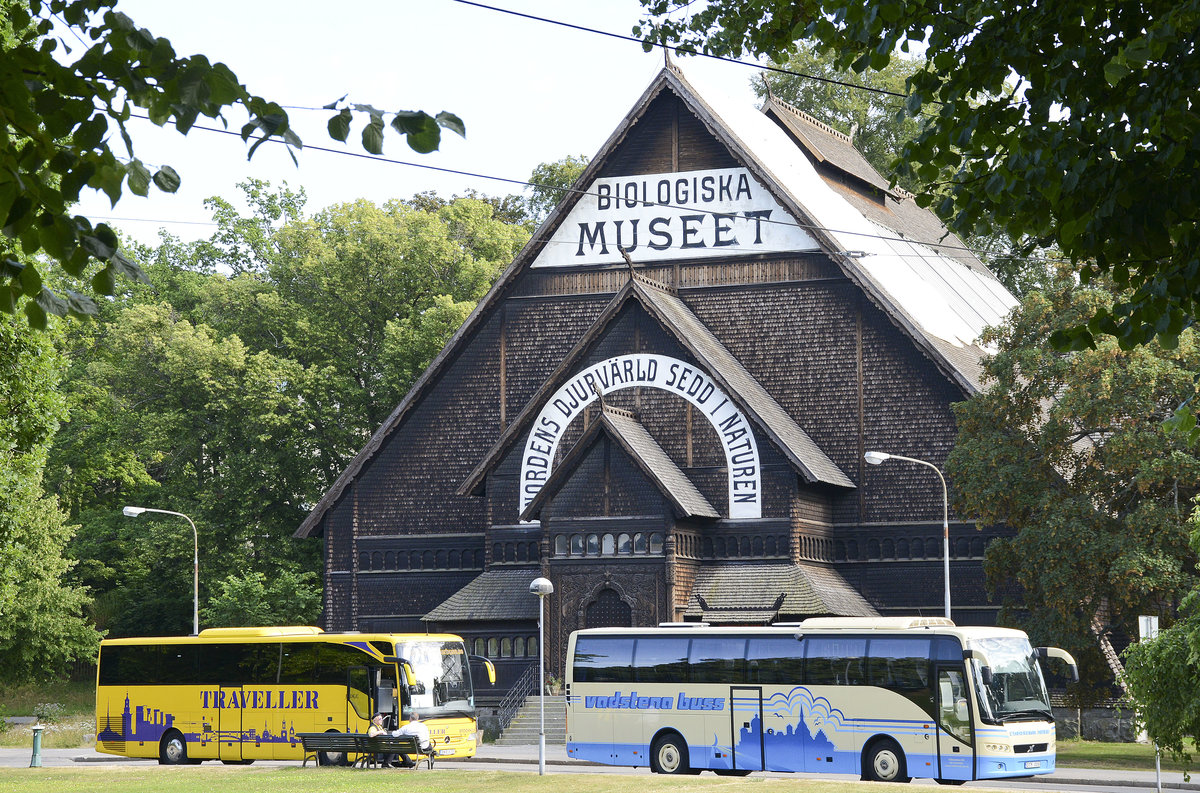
(875, 458)
(540, 587)
(133, 512)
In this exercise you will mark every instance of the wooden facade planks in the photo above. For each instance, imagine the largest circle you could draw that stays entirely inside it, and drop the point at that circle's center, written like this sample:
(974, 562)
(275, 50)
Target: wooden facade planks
(834, 358)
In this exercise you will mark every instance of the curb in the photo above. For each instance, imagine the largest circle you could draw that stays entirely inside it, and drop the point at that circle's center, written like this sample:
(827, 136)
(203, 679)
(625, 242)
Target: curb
(1139, 783)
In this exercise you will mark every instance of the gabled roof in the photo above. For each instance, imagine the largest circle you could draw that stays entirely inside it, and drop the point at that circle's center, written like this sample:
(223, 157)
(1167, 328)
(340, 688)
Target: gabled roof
(694, 336)
(840, 221)
(763, 592)
(825, 144)
(624, 430)
(494, 595)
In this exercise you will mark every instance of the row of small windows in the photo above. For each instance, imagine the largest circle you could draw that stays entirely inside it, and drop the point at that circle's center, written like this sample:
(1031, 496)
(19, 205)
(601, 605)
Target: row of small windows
(423, 560)
(652, 544)
(916, 548)
(608, 544)
(507, 647)
(515, 551)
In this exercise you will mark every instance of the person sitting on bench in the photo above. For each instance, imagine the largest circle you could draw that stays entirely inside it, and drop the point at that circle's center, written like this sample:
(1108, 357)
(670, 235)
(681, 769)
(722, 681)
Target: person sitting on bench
(377, 728)
(417, 729)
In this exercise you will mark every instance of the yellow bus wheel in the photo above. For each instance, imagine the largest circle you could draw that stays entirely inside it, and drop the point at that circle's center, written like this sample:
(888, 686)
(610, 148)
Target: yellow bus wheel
(173, 749)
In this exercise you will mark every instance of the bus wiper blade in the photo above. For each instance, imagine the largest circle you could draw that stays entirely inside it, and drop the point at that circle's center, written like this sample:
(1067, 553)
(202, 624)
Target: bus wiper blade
(1015, 715)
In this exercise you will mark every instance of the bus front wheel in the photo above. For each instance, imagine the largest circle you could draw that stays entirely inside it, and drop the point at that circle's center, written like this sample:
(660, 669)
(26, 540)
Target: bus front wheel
(885, 762)
(669, 755)
(173, 749)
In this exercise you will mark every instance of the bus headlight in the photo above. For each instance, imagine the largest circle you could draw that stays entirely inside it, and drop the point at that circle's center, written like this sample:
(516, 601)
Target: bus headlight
(997, 748)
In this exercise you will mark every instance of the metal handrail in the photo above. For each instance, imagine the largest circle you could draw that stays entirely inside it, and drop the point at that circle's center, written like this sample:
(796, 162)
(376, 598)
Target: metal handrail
(526, 684)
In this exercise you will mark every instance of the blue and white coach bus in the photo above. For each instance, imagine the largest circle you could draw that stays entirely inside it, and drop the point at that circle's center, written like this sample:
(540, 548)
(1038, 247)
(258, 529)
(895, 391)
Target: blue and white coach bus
(887, 698)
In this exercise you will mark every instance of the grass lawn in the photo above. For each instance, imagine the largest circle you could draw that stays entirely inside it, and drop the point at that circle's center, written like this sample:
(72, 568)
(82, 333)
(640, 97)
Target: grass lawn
(1129, 756)
(207, 778)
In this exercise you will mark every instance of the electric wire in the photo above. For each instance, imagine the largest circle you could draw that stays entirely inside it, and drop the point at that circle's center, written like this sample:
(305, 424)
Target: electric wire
(582, 193)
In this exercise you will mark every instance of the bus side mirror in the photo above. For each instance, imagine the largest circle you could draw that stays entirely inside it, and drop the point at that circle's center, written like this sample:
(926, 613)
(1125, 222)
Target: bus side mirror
(1044, 653)
(985, 674)
(488, 667)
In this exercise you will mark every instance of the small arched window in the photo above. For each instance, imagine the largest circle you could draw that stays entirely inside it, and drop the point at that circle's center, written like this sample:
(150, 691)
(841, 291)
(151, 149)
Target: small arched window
(577, 545)
(656, 543)
(506, 647)
(519, 647)
(624, 544)
(493, 648)
(593, 545)
(639, 543)
(479, 645)
(560, 545)
(608, 545)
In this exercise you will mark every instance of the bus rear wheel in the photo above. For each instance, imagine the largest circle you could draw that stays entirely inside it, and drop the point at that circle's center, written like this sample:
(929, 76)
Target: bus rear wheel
(669, 755)
(173, 749)
(885, 762)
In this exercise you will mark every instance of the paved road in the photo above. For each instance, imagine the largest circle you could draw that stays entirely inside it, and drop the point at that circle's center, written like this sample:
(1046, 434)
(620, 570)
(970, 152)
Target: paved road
(525, 758)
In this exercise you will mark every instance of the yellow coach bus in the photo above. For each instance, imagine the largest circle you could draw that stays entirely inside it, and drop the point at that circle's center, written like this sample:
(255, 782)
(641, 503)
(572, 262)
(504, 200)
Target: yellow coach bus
(886, 698)
(242, 694)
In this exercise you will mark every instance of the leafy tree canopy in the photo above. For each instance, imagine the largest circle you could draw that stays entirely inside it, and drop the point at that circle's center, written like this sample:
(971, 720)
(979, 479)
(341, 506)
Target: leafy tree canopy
(42, 627)
(1068, 124)
(237, 386)
(549, 182)
(1067, 450)
(72, 75)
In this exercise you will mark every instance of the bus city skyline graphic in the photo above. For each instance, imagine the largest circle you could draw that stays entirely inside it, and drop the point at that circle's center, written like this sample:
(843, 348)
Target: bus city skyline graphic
(146, 724)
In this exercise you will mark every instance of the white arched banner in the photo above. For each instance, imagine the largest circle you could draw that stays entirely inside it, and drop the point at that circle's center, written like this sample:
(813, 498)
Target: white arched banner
(653, 371)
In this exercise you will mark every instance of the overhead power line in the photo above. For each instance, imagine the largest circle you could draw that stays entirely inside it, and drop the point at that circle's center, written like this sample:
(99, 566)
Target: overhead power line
(609, 34)
(525, 183)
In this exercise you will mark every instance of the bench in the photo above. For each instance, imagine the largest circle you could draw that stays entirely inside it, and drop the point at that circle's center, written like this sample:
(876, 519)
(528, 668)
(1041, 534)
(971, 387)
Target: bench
(396, 744)
(319, 744)
(368, 749)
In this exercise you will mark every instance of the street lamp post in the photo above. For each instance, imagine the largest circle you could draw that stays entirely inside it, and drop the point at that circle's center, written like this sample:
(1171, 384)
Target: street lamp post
(133, 512)
(876, 458)
(541, 587)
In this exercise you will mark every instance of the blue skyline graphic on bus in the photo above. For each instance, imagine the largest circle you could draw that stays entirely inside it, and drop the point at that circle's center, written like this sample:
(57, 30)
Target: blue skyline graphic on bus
(139, 723)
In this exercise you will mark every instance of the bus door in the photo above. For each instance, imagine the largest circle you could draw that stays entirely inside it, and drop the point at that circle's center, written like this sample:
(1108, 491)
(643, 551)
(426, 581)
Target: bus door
(360, 703)
(229, 723)
(956, 744)
(746, 729)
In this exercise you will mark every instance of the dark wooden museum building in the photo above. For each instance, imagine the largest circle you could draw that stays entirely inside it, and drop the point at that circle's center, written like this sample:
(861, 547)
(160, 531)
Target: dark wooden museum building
(663, 404)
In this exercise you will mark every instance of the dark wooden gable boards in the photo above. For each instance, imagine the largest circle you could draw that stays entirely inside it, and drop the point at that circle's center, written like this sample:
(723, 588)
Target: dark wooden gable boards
(815, 364)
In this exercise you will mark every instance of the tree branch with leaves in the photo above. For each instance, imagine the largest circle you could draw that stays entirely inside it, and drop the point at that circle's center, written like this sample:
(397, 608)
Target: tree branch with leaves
(73, 73)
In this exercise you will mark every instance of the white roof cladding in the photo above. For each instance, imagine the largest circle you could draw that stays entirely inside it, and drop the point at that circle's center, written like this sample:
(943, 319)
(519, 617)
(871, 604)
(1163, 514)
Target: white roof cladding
(946, 299)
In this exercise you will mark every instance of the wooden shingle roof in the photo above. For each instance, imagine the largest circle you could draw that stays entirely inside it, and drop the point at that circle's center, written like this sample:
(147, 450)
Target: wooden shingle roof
(632, 437)
(501, 594)
(694, 336)
(764, 592)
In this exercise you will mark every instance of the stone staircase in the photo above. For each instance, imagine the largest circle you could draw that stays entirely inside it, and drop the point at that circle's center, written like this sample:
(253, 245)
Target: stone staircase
(523, 730)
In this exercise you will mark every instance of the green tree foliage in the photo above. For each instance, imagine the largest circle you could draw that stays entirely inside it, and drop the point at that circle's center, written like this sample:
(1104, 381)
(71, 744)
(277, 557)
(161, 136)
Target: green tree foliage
(42, 628)
(1069, 124)
(252, 600)
(72, 75)
(1067, 449)
(1163, 676)
(549, 182)
(237, 387)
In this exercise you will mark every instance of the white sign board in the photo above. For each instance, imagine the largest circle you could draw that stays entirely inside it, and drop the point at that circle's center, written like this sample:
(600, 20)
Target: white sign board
(657, 217)
(653, 371)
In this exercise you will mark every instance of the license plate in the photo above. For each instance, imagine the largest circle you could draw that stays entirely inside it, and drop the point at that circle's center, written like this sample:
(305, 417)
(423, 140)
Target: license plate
(1034, 764)
(451, 751)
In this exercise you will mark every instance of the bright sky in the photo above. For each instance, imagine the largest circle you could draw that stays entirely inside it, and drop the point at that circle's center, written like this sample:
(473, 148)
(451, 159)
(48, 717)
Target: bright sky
(528, 92)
